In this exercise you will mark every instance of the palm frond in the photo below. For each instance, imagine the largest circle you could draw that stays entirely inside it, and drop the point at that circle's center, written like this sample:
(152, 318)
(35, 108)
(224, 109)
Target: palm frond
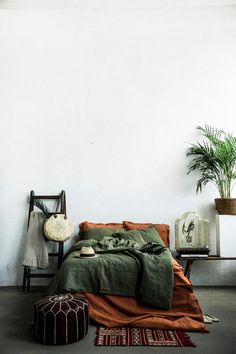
(215, 159)
(212, 134)
(203, 181)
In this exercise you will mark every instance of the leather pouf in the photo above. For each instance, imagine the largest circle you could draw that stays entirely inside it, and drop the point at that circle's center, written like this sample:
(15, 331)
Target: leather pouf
(61, 319)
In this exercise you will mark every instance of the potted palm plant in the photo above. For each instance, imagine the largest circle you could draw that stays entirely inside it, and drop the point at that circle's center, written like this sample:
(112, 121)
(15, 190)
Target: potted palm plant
(215, 160)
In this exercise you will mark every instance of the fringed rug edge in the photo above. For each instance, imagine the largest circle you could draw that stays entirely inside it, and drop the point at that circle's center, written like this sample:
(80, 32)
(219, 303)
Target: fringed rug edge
(183, 338)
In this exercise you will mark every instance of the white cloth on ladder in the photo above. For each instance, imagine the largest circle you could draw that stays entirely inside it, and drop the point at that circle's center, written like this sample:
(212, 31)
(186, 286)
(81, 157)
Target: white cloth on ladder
(36, 250)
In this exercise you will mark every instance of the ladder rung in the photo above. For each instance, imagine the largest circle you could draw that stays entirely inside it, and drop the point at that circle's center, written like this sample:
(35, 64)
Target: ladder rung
(45, 197)
(39, 275)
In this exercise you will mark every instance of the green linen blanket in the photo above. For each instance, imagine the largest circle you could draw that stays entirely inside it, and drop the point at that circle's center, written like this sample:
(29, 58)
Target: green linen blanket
(130, 263)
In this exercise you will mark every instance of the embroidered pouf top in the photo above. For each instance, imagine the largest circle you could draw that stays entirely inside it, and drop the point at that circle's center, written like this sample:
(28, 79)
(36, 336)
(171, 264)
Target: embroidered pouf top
(61, 319)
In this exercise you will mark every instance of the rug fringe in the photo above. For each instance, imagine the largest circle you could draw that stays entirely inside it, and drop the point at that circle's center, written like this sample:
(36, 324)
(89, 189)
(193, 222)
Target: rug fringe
(185, 338)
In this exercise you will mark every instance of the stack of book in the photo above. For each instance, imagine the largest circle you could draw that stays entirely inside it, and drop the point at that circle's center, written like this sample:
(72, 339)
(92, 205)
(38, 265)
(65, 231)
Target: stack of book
(191, 252)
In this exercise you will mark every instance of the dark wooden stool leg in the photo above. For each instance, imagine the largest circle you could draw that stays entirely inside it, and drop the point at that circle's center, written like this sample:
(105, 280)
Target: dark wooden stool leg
(28, 279)
(24, 280)
(188, 268)
(60, 254)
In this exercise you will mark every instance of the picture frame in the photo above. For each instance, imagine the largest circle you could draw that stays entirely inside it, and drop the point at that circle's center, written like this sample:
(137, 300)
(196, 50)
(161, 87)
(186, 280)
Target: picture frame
(192, 231)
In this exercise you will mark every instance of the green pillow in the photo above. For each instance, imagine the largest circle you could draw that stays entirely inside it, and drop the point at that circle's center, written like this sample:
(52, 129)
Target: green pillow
(150, 234)
(97, 233)
(134, 235)
(141, 236)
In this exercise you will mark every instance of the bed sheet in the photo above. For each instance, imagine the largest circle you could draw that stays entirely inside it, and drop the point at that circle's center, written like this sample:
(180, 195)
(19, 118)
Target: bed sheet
(116, 311)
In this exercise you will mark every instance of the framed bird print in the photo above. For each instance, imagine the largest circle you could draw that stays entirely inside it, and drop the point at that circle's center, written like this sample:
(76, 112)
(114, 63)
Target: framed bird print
(191, 231)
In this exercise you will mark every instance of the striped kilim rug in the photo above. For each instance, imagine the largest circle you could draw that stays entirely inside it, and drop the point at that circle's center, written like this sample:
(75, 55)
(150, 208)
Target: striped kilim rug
(134, 336)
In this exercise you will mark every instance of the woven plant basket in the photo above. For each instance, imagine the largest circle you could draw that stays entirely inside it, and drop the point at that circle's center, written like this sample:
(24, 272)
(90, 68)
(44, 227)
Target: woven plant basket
(226, 206)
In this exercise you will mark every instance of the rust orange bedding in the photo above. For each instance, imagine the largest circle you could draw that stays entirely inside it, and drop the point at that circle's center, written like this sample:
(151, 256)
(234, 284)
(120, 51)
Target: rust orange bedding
(115, 311)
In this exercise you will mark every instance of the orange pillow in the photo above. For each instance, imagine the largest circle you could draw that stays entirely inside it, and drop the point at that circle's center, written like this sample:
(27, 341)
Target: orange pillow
(162, 229)
(86, 225)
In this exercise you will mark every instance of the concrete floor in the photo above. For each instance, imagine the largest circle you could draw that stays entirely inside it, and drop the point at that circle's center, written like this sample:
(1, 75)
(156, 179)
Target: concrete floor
(16, 337)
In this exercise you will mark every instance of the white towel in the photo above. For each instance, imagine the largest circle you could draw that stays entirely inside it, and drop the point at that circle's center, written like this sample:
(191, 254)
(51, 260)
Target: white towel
(36, 251)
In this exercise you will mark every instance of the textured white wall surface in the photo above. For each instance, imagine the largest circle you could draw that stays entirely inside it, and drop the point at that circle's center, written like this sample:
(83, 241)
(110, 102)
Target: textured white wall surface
(102, 98)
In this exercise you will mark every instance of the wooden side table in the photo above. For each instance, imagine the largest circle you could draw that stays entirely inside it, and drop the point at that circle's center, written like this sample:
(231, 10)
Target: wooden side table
(190, 260)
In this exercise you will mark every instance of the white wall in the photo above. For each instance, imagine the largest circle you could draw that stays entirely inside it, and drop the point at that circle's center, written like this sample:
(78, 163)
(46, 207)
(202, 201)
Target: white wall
(101, 98)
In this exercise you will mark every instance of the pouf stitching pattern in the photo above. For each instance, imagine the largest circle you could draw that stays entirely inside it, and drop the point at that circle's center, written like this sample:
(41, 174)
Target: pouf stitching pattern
(62, 299)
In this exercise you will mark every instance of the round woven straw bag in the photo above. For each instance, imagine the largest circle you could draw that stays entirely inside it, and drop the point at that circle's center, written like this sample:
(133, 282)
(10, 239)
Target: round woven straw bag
(58, 228)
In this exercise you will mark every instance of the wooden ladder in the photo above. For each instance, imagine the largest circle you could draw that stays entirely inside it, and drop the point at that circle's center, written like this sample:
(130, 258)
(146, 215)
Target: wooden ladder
(59, 254)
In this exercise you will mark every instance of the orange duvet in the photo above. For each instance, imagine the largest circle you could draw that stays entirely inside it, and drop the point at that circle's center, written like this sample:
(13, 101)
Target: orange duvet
(115, 311)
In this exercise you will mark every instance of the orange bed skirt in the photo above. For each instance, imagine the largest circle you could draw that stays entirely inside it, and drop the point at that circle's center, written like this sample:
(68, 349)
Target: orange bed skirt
(116, 311)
